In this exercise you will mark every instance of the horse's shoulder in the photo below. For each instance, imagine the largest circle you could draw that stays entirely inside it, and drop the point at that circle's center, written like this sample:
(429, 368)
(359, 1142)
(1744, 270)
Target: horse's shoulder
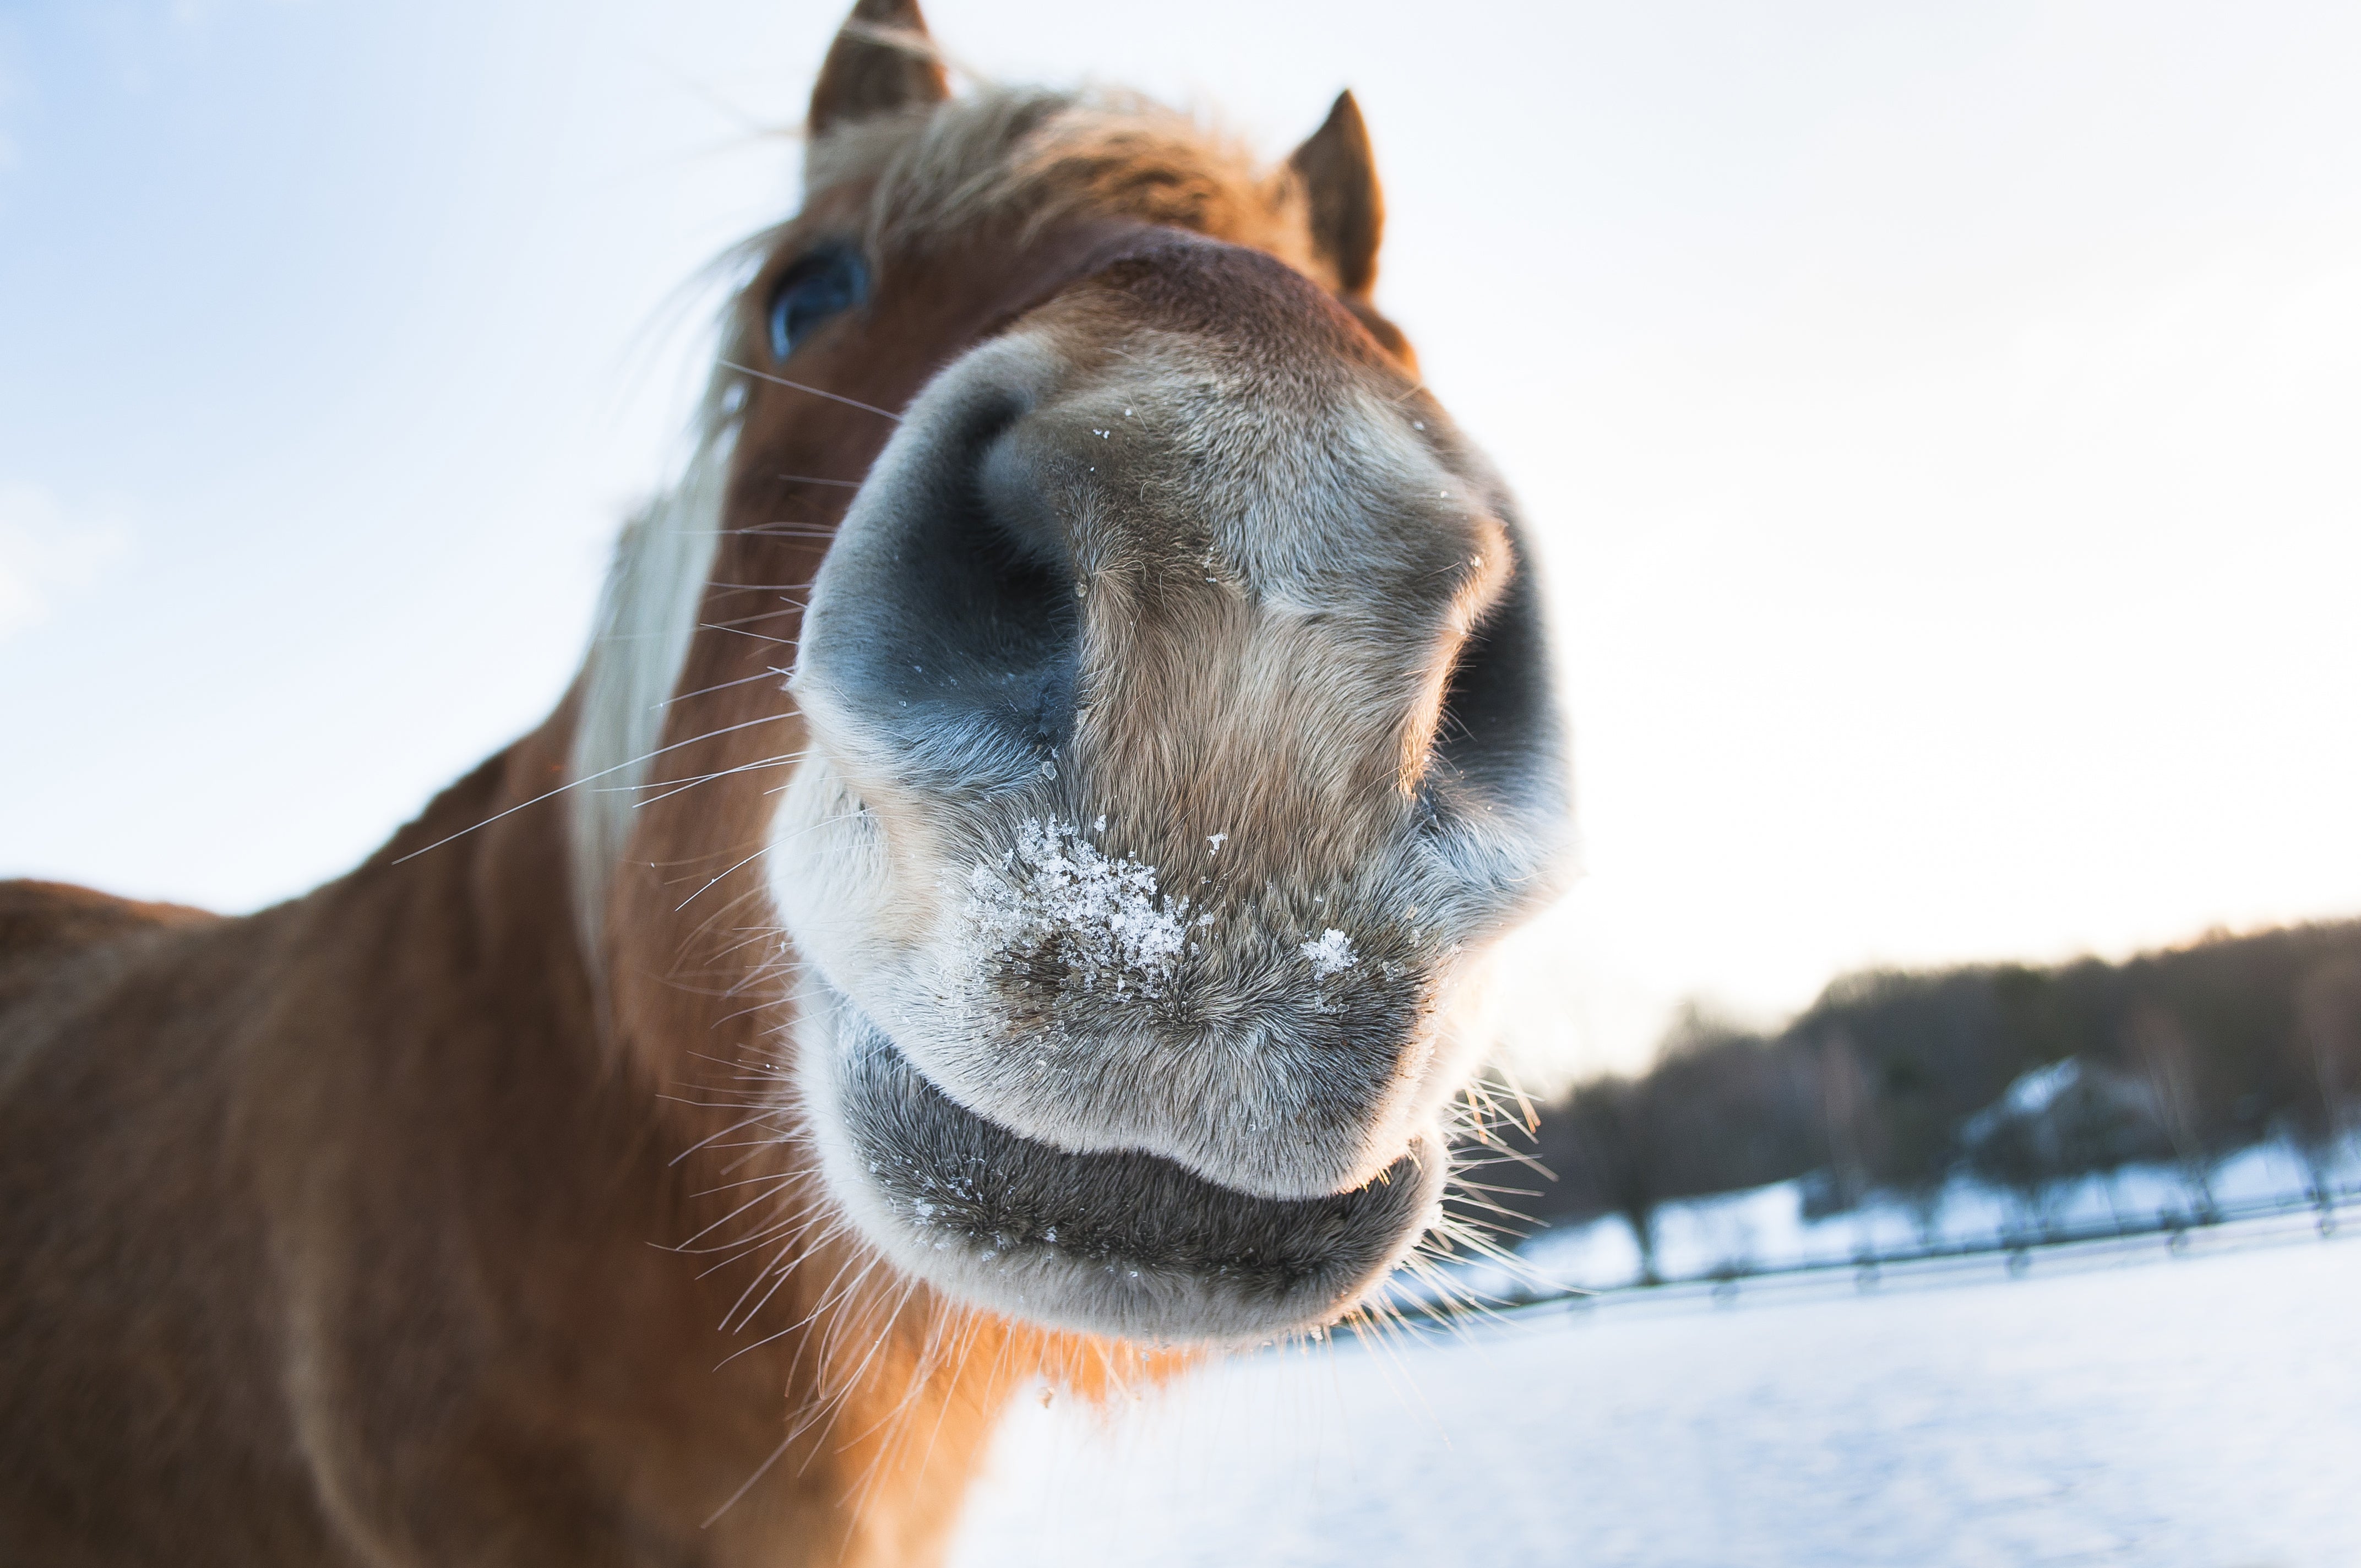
(38, 918)
(46, 926)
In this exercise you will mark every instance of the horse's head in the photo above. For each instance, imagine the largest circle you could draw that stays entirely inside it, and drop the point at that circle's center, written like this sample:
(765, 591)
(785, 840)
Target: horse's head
(1176, 728)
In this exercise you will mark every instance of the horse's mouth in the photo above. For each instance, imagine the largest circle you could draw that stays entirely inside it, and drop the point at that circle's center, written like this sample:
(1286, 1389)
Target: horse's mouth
(1125, 1243)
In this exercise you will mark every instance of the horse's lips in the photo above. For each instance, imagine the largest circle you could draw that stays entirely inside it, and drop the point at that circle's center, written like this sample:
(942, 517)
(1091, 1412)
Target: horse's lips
(1124, 1243)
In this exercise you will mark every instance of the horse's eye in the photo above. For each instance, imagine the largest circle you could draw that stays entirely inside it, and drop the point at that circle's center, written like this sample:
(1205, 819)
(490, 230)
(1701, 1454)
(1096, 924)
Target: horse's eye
(815, 289)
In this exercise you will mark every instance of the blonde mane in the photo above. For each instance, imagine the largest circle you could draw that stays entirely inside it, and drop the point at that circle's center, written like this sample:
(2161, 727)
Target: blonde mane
(1034, 157)
(647, 615)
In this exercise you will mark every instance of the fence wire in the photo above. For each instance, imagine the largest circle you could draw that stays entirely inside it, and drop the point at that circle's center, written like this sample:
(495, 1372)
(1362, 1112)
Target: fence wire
(2219, 1227)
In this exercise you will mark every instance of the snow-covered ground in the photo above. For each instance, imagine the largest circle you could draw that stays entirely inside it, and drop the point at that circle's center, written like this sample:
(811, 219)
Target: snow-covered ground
(1765, 1228)
(2111, 1406)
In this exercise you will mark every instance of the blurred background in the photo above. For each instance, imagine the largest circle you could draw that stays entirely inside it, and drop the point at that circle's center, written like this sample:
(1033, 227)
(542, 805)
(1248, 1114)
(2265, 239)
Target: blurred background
(1940, 423)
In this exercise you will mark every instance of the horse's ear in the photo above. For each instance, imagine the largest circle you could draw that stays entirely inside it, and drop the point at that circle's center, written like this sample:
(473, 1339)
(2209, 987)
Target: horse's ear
(882, 60)
(1348, 209)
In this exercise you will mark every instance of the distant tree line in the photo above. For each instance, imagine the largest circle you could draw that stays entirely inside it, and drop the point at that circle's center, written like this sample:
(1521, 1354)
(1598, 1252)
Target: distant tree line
(1892, 1081)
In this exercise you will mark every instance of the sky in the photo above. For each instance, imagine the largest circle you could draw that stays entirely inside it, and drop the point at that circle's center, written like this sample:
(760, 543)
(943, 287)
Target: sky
(1938, 425)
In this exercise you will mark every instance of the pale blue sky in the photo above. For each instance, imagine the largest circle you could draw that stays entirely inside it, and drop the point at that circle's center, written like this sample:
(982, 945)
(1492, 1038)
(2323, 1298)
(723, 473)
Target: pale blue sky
(1940, 420)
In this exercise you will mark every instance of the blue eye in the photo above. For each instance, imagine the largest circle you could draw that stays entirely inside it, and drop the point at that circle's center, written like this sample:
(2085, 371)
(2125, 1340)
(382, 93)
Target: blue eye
(815, 289)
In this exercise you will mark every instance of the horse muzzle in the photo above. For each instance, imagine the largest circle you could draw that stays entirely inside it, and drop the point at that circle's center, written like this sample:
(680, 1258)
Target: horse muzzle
(1125, 1243)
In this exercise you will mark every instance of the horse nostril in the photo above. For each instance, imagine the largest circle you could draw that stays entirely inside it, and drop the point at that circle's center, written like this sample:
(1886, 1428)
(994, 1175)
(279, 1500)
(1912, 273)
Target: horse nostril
(1033, 622)
(952, 624)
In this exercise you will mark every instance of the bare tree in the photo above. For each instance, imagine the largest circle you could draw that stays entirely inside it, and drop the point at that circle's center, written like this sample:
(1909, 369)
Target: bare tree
(2328, 1034)
(1845, 1108)
(1614, 1147)
(2166, 1062)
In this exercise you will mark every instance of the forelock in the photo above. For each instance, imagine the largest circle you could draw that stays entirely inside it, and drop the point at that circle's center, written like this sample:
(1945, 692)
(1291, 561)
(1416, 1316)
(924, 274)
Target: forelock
(1029, 157)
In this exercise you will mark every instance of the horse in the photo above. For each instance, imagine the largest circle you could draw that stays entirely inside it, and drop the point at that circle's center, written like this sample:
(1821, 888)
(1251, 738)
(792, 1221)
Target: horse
(1002, 905)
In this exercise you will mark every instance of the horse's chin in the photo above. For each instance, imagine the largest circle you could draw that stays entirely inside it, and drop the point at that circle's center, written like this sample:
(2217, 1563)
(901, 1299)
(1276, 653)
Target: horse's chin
(1124, 1244)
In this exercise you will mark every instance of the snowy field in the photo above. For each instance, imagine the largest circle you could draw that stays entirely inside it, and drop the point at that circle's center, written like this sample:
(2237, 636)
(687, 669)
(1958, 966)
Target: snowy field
(2110, 1407)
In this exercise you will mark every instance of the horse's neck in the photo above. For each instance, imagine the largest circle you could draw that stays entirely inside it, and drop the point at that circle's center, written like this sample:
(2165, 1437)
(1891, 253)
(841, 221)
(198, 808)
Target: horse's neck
(552, 1143)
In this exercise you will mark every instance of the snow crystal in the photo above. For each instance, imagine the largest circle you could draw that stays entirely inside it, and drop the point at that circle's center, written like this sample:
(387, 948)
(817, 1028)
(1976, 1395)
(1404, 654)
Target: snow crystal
(1102, 917)
(1331, 954)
